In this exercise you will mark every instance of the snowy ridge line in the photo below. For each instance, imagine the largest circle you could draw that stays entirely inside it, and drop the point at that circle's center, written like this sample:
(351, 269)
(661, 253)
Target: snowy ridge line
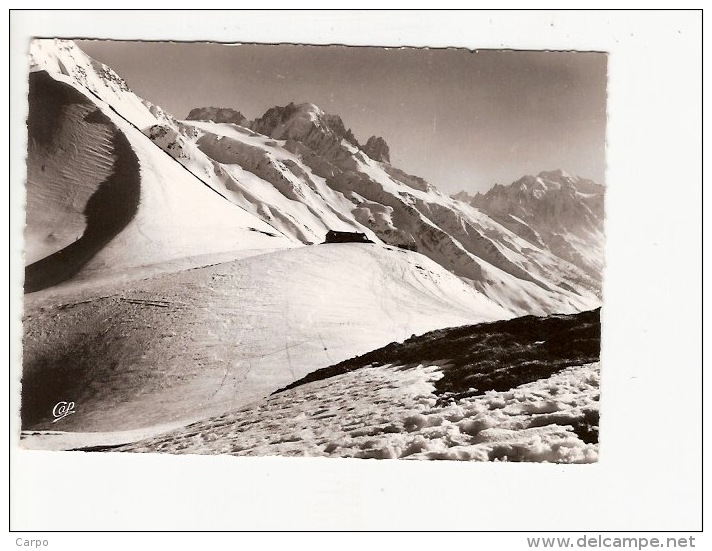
(498, 355)
(179, 163)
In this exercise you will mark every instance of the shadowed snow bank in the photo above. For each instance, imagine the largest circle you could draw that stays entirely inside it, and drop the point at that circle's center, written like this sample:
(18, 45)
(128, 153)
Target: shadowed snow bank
(57, 110)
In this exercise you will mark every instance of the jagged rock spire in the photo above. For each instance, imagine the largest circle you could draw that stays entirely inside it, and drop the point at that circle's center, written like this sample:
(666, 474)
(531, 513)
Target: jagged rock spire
(377, 148)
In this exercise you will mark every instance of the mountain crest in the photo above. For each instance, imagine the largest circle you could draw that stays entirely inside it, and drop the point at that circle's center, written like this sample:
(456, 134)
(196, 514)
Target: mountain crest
(557, 175)
(296, 172)
(298, 121)
(217, 114)
(555, 210)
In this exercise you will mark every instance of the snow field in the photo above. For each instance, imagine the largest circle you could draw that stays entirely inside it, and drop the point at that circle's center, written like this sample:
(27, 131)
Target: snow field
(389, 412)
(197, 342)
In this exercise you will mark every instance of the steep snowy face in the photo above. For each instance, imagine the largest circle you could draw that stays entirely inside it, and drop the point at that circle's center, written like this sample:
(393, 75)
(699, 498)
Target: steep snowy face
(64, 57)
(102, 199)
(555, 197)
(554, 210)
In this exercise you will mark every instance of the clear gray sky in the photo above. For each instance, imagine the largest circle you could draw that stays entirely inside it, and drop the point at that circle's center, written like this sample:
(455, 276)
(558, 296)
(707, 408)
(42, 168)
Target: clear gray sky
(460, 119)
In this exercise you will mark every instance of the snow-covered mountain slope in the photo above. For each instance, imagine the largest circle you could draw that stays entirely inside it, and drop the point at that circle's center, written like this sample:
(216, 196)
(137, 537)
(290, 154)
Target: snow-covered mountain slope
(176, 272)
(101, 197)
(443, 395)
(305, 175)
(301, 172)
(555, 211)
(64, 57)
(184, 345)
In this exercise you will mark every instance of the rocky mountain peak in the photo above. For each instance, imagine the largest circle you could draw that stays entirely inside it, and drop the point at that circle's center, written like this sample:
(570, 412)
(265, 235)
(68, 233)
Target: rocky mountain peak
(554, 209)
(297, 121)
(578, 184)
(309, 125)
(217, 114)
(377, 148)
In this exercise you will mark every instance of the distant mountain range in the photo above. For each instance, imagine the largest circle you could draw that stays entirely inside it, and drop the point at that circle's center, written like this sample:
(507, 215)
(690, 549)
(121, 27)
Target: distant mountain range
(555, 211)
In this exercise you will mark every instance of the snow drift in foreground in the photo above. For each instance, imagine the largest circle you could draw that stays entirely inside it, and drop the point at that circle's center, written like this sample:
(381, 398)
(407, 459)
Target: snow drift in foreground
(390, 412)
(537, 400)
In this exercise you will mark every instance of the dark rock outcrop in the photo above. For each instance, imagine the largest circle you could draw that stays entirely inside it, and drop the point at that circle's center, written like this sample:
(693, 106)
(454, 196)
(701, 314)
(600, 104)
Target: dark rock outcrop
(217, 114)
(489, 356)
(307, 124)
(377, 148)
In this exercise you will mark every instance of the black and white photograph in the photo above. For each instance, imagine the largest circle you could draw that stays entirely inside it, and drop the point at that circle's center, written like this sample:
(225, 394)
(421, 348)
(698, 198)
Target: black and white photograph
(390, 253)
(381, 260)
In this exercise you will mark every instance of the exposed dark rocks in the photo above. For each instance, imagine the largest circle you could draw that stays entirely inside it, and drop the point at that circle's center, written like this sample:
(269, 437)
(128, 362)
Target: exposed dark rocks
(377, 148)
(217, 114)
